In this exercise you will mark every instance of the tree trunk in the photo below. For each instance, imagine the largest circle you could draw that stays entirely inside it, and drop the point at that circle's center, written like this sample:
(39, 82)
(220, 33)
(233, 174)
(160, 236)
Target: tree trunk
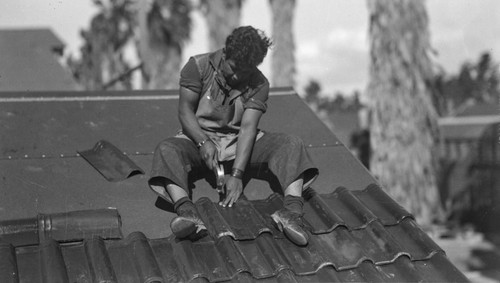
(404, 121)
(161, 61)
(102, 54)
(222, 17)
(283, 60)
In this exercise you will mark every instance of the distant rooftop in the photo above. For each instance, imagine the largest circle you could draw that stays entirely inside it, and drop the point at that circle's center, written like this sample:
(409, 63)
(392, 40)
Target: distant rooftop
(29, 61)
(471, 122)
(480, 109)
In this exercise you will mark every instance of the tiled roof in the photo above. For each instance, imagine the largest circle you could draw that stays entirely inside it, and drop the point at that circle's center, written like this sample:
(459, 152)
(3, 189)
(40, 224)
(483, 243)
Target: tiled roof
(29, 61)
(355, 236)
(358, 233)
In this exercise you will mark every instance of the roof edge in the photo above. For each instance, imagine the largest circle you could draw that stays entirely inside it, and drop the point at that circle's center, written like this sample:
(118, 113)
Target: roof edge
(469, 120)
(62, 96)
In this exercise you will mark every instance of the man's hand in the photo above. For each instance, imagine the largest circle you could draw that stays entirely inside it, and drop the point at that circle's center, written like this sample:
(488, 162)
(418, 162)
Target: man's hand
(234, 188)
(208, 152)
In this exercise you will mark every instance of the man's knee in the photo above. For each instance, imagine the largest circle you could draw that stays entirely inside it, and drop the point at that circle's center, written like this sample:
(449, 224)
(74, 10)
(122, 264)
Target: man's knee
(292, 141)
(171, 145)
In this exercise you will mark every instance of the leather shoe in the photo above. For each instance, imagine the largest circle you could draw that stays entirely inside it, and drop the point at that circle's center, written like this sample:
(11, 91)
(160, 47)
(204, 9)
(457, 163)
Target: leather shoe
(290, 223)
(187, 224)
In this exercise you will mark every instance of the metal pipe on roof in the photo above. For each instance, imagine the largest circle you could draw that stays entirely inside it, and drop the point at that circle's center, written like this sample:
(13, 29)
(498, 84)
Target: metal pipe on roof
(63, 227)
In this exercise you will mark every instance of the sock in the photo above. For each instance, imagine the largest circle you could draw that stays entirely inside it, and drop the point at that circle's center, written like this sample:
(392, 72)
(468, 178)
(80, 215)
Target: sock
(293, 203)
(184, 204)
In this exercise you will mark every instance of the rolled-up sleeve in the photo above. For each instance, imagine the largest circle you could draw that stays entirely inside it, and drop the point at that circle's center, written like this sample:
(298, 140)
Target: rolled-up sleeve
(190, 76)
(258, 100)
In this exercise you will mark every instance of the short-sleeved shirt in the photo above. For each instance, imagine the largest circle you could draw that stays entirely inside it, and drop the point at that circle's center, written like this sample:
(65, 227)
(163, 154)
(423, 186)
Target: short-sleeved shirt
(221, 106)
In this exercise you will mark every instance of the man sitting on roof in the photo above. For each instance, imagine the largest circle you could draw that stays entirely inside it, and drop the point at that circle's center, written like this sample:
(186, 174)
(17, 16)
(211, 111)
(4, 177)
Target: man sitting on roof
(222, 98)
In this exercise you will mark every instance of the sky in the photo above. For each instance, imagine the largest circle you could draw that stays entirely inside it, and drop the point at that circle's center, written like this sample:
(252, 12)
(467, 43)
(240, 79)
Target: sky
(331, 36)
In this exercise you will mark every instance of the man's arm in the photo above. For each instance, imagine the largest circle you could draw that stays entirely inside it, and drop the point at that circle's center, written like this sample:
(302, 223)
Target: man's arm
(246, 137)
(188, 103)
(246, 140)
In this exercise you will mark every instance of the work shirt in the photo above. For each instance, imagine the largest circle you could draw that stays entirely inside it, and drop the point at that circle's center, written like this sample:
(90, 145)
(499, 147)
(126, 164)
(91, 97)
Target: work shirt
(221, 105)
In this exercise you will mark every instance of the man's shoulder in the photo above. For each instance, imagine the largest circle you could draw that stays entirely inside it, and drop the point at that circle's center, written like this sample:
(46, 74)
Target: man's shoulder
(204, 62)
(258, 79)
(204, 58)
(202, 55)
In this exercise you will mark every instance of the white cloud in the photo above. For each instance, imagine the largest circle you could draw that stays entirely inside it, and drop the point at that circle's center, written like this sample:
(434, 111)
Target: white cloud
(309, 49)
(462, 29)
(352, 38)
(336, 67)
(448, 34)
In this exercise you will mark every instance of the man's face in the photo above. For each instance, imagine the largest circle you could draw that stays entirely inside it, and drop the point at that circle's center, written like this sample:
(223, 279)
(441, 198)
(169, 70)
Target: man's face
(235, 74)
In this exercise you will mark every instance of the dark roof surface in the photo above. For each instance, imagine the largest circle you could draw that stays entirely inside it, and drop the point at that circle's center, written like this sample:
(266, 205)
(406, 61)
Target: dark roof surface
(29, 61)
(42, 132)
(357, 235)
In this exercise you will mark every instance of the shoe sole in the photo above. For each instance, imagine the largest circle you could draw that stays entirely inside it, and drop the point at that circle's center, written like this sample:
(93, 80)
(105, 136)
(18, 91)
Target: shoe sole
(295, 236)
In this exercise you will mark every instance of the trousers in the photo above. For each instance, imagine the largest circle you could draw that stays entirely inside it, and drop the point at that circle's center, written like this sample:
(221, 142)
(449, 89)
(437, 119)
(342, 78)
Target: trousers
(284, 155)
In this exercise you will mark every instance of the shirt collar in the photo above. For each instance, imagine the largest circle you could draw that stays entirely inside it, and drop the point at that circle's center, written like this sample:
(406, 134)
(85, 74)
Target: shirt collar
(216, 59)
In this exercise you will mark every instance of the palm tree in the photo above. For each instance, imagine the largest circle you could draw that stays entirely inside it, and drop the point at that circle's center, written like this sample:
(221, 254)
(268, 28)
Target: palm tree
(403, 129)
(222, 17)
(283, 60)
(164, 26)
(102, 57)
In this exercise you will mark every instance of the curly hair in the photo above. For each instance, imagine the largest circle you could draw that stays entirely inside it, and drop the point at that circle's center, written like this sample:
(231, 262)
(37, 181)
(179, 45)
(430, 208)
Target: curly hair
(247, 46)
